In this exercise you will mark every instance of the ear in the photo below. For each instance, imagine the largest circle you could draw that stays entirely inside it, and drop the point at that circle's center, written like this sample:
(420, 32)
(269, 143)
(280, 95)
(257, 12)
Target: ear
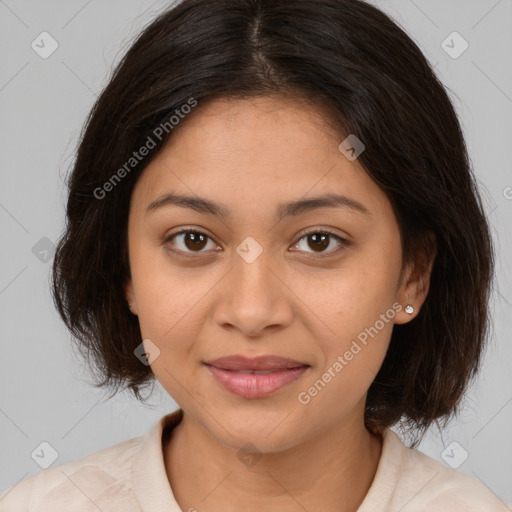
(129, 293)
(415, 281)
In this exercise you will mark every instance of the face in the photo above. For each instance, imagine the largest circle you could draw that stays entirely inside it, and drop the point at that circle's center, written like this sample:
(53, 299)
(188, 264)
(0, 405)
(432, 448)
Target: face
(313, 282)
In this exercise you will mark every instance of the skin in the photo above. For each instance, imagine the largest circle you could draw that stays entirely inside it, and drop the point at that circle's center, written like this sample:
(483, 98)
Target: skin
(306, 304)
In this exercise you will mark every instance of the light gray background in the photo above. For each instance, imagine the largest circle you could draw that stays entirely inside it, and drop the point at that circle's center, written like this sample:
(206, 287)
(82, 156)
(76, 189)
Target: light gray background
(44, 102)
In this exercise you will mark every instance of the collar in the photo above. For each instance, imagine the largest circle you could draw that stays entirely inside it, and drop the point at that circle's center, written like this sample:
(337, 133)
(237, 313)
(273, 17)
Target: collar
(149, 476)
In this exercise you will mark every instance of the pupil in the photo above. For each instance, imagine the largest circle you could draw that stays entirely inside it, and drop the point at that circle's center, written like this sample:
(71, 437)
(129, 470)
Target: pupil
(320, 240)
(197, 240)
(194, 240)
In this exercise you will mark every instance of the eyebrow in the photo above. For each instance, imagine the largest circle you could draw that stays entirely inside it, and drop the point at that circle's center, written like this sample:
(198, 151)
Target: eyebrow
(292, 208)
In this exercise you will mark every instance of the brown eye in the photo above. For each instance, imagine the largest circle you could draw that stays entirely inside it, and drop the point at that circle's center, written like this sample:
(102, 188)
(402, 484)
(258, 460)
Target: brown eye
(194, 241)
(319, 241)
(189, 241)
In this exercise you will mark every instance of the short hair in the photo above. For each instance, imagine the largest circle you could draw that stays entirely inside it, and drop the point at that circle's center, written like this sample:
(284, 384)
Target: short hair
(370, 79)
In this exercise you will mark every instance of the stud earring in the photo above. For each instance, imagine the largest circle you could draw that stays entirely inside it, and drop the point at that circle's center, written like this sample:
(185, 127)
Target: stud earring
(409, 309)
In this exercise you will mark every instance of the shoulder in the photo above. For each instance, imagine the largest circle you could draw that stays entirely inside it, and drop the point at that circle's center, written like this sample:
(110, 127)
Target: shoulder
(84, 484)
(423, 483)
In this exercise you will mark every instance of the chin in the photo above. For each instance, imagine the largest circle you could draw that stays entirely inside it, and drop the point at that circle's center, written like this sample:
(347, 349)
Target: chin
(269, 429)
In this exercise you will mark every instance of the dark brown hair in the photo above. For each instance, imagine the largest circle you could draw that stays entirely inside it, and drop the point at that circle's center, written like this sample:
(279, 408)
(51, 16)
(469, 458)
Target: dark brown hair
(352, 60)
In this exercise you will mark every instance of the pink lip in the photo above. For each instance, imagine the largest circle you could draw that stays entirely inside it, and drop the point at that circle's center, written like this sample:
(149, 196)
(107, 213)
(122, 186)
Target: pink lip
(229, 372)
(255, 363)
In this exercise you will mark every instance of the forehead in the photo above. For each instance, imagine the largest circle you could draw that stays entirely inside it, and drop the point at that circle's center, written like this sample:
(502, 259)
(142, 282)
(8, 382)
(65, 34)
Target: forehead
(255, 153)
(269, 123)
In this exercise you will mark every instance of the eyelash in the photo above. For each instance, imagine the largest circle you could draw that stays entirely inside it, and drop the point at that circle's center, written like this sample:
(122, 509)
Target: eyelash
(188, 254)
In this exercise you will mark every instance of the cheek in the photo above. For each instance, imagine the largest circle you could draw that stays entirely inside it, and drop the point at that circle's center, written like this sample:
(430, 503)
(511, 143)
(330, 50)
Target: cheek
(172, 302)
(361, 314)
(357, 306)
(352, 296)
(162, 291)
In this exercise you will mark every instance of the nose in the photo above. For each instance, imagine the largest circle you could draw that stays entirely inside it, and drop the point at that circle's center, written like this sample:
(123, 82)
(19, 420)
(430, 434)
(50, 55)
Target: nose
(254, 297)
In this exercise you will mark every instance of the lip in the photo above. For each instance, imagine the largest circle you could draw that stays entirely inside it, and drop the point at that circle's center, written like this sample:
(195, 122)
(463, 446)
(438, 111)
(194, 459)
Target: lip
(239, 363)
(234, 374)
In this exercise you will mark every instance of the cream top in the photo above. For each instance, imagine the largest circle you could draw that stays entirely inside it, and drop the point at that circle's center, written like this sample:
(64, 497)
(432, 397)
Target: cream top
(131, 477)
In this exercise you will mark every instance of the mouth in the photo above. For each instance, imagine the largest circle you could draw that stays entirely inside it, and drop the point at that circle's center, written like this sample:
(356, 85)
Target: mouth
(256, 377)
(255, 364)
(254, 372)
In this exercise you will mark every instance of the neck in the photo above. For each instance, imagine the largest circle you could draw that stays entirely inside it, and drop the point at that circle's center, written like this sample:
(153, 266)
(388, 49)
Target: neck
(332, 471)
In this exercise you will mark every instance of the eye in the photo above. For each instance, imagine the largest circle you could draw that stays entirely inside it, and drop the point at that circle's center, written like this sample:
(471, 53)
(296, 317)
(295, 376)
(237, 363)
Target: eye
(190, 240)
(321, 239)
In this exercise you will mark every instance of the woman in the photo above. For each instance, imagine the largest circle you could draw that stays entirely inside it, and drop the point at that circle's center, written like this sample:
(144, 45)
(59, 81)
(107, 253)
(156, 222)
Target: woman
(273, 214)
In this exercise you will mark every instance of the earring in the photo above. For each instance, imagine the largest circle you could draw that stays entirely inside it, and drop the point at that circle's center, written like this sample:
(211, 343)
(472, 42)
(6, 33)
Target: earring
(409, 309)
